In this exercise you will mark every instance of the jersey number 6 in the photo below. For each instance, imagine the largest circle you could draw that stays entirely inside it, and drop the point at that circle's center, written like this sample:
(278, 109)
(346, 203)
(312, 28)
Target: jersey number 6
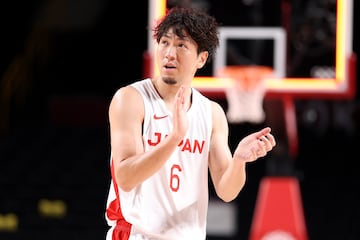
(174, 178)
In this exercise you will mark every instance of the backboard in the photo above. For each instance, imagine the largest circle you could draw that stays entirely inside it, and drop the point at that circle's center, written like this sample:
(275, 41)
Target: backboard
(341, 86)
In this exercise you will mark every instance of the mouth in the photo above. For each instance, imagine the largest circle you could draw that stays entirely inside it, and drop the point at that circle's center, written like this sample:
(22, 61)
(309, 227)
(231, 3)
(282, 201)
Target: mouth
(169, 67)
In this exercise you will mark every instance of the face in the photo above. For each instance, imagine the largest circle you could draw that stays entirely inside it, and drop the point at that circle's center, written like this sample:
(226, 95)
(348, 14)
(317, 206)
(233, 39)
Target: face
(177, 58)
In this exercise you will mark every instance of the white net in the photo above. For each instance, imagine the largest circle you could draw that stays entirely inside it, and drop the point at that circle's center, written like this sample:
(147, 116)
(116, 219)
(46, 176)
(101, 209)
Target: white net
(245, 100)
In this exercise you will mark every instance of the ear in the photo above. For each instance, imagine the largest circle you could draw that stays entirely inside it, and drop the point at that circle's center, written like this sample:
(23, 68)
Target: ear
(202, 58)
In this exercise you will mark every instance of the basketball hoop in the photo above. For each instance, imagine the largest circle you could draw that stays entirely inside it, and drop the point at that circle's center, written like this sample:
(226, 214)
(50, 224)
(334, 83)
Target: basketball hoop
(245, 100)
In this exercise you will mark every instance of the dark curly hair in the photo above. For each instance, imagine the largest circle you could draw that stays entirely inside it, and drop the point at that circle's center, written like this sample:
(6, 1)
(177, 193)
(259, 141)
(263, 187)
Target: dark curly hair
(200, 26)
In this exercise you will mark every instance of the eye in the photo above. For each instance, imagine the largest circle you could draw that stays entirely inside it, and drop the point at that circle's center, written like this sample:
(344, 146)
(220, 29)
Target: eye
(164, 42)
(182, 45)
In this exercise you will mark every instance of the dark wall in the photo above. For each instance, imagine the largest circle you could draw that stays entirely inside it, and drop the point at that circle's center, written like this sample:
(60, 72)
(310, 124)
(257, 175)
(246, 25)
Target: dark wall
(60, 65)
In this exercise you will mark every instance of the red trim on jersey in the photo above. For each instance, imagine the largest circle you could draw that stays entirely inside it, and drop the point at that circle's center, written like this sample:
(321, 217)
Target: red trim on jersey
(113, 212)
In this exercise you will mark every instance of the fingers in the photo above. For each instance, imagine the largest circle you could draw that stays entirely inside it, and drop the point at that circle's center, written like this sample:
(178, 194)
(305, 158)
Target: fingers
(265, 144)
(259, 151)
(265, 136)
(181, 98)
(256, 145)
(180, 120)
(271, 139)
(268, 140)
(263, 132)
(180, 95)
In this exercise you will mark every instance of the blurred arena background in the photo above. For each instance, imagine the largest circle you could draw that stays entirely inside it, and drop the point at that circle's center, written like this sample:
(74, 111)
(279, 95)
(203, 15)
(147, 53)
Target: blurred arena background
(61, 62)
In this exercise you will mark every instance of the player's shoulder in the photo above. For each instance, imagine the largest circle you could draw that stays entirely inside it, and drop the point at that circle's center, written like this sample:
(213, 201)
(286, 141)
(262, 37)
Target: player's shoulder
(125, 95)
(130, 90)
(124, 92)
(216, 107)
(218, 113)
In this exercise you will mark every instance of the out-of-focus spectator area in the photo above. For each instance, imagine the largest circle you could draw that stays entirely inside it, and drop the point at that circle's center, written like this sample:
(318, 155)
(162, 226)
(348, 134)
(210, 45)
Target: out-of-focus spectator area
(60, 64)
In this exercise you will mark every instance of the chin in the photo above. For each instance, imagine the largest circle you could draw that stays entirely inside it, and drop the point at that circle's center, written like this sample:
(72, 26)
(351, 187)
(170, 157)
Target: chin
(169, 80)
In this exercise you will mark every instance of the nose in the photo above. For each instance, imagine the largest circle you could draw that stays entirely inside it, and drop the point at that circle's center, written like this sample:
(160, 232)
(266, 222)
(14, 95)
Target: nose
(170, 52)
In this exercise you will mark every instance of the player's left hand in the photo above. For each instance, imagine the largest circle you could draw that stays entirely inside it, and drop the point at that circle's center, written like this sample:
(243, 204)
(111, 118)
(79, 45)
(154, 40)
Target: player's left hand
(255, 145)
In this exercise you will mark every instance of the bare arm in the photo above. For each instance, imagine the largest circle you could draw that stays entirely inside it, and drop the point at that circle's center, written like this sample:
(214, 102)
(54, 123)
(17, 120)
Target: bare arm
(228, 172)
(131, 163)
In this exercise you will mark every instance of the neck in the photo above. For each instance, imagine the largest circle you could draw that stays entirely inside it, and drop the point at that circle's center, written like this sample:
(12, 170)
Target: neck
(168, 92)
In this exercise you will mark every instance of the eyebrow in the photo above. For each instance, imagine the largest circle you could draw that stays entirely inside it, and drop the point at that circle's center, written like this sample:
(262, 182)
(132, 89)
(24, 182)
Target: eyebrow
(185, 38)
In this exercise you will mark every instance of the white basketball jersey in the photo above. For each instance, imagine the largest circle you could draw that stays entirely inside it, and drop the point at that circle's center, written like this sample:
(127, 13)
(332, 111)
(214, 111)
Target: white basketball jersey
(173, 203)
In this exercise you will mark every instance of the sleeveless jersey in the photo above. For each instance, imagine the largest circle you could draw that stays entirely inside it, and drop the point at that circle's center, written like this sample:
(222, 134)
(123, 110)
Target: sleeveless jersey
(173, 203)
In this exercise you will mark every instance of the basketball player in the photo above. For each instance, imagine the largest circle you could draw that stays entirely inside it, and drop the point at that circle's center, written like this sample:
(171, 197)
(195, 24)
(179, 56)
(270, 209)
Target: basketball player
(165, 136)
